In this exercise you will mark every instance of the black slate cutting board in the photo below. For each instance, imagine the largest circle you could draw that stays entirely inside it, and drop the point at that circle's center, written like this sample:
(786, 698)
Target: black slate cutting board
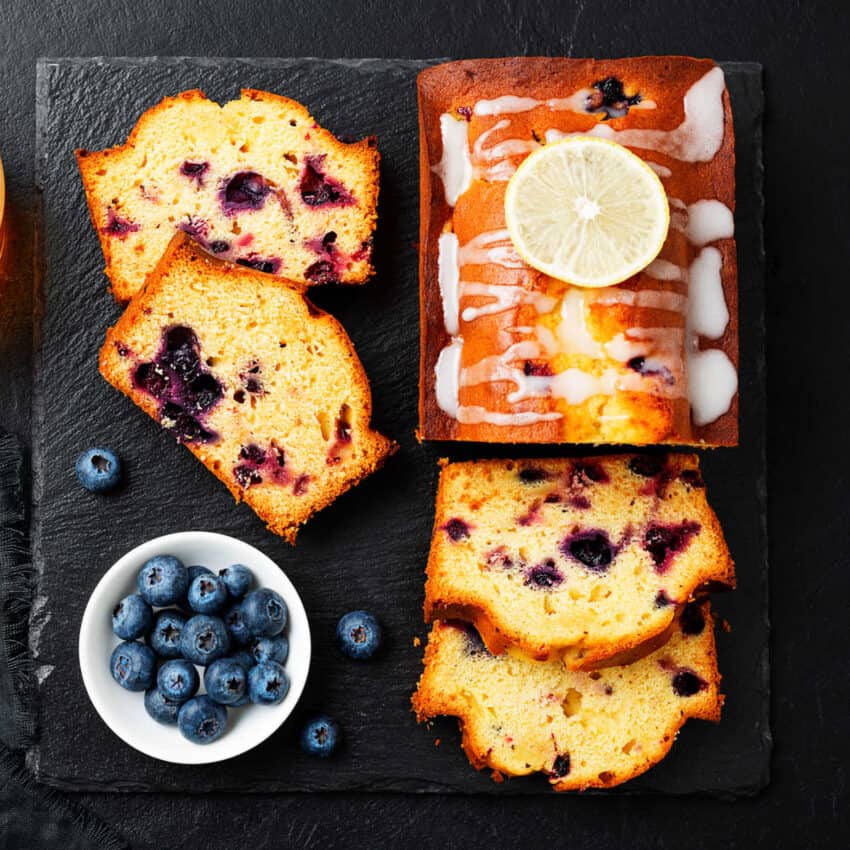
(368, 549)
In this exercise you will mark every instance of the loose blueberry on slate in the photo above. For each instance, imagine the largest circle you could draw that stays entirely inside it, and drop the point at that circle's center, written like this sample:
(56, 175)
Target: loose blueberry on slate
(165, 635)
(244, 657)
(133, 666)
(162, 709)
(132, 617)
(268, 683)
(234, 622)
(163, 580)
(226, 681)
(178, 680)
(270, 649)
(264, 612)
(359, 635)
(204, 639)
(207, 594)
(320, 736)
(98, 470)
(237, 579)
(202, 720)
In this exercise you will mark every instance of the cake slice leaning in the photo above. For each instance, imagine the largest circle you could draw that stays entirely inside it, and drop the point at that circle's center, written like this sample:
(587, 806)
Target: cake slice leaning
(262, 387)
(256, 181)
(581, 729)
(582, 558)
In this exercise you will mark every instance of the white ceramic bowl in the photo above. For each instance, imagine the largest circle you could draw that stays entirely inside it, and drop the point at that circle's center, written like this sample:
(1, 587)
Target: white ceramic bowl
(124, 711)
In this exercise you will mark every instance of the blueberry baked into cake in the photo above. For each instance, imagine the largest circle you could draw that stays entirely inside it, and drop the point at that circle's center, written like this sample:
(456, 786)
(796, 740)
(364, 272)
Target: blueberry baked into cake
(591, 729)
(262, 387)
(577, 558)
(257, 182)
(510, 354)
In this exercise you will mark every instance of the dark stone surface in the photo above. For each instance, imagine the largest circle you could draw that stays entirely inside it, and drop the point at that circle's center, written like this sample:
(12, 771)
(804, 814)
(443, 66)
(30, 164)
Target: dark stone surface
(369, 549)
(803, 49)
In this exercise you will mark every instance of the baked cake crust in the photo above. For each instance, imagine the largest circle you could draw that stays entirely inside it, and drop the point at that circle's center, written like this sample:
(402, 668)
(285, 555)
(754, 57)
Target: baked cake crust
(278, 407)
(586, 559)
(582, 730)
(297, 183)
(661, 415)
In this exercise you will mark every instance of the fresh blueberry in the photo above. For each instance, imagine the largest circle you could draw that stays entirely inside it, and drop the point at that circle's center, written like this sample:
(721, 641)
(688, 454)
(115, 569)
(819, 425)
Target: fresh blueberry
(234, 622)
(204, 639)
(244, 657)
(359, 634)
(133, 666)
(320, 736)
(202, 720)
(98, 470)
(165, 635)
(268, 683)
(226, 681)
(178, 680)
(270, 649)
(163, 580)
(244, 700)
(265, 612)
(161, 708)
(194, 571)
(207, 594)
(132, 617)
(237, 579)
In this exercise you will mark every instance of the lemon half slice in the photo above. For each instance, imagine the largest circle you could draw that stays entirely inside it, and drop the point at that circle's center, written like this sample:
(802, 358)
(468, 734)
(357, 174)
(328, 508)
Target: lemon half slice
(587, 211)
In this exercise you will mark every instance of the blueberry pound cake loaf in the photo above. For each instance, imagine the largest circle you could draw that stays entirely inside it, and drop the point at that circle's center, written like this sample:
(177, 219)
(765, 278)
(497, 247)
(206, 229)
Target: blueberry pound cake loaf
(256, 181)
(261, 386)
(581, 729)
(585, 559)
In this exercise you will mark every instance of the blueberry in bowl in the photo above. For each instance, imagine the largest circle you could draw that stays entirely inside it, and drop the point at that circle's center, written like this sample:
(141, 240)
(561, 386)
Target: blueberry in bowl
(359, 635)
(207, 594)
(160, 707)
(204, 639)
(237, 579)
(163, 580)
(164, 638)
(243, 657)
(234, 622)
(133, 665)
(268, 683)
(98, 470)
(201, 720)
(178, 680)
(265, 612)
(132, 617)
(320, 736)
(270, 649)
(226, 681)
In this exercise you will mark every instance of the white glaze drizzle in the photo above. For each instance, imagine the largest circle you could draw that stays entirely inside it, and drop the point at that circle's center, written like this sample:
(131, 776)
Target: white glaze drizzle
(708, 314)
(504, 297)
(708, 221)
(712, 384)
(448, 275)
(657, 299)
(473, 415)
(492, 246)
(696, 139)
(576, 102)
(447, 371)
(455, 167)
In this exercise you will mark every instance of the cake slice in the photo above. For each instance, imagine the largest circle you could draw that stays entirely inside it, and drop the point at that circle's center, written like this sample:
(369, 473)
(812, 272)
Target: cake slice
(580, 558)
(581, 729)
(262, 387)
(255, 181)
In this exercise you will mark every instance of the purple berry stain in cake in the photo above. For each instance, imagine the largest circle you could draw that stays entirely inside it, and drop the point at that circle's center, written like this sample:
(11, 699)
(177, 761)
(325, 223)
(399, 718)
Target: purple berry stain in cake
(544, 575)
(474, 644)
(119, 226)
(301, 485)
(342, 440)
(197, 228)
(532, 475)
(609, 98)
(456, 529)
(650, 368)
(532, 515)
(499, 559)
(537, 369)
(317, 189)
(328, 268)
(269, 265)
(662, 600)
(560, 767)
(591, 548)
(219, 246)
(647, 466)
(256, 465)
(580, 502)
(586, 472)
(195, 171)
(692, 620)
(251, 379)
(245, 190)
(686, 683)
(184, 388)
(465, 112)
(664, 542)
(691, 478)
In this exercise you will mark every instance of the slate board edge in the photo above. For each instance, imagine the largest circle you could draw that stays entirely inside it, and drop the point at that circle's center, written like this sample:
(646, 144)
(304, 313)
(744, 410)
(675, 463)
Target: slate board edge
(38, 407)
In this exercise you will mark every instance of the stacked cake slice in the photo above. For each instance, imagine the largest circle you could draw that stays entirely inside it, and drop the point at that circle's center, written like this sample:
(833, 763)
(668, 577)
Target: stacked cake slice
(570, 633)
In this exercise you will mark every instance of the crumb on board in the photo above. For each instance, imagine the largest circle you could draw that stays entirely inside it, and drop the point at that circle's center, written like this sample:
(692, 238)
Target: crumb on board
(436, 742)
(726, 626)
(416, 641)
(497, 777)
